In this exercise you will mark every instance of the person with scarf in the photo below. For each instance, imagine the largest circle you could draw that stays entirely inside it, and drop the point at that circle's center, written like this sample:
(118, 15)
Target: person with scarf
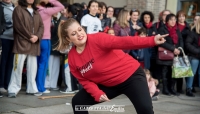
(193, 48)
(147, 19)
(173, 41)
(184, 28)
(7, 40)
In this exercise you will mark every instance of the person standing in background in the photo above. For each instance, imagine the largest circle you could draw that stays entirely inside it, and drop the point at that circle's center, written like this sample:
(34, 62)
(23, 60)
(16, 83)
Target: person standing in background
(27, 36)
(193, 48)
(46, 14)
(173, 41)
(184, 28)
(161, 19)
(2, 28)
(7, 46)
(105, 21)
(90, 22)
(121, 26)
(110, 14)
(54, 59)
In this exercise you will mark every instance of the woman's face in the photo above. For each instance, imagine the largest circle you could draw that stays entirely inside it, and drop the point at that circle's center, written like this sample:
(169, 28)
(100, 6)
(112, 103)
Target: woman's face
(104, 9)
(128, 16)
(164, 15)
(77, 34)
(181, 18)
(196, 18)
(134, 16)
(147, 19)
(110, 12)
(172, 21)
(93, 8)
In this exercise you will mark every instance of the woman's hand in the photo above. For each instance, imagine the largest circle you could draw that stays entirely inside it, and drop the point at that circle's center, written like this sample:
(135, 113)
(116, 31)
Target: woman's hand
(159, 39)
(176, 51)
(103, 98)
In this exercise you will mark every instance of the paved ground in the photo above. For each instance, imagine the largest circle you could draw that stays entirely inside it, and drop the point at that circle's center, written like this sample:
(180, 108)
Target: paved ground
(25, 104)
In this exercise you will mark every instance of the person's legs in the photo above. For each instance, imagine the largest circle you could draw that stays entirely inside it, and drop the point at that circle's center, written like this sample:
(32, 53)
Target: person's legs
(172, 82)
(54, 71)
(179, 85)
(68, 78)
(43, 64)
(48, 77)
(189, 80)
(4, 58)
(9, 65)
(16, 77)
(31, 74)
(84, 98)
(165, 80)
(136, 89)
(198, 74)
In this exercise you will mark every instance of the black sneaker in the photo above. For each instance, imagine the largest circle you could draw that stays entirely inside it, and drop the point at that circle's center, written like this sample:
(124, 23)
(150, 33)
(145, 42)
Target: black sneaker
(189, 92)
(194, 90)
(1, 95)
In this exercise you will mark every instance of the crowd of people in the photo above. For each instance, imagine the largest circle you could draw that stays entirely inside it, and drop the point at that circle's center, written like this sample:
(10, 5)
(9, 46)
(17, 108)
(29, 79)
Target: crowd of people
(34, 43)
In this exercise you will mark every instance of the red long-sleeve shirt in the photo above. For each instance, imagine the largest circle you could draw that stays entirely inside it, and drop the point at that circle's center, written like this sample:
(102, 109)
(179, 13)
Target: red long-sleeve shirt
(103, 61)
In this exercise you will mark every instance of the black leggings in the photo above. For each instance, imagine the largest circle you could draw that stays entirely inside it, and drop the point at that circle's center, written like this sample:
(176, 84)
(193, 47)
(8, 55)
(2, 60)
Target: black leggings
(135, 88)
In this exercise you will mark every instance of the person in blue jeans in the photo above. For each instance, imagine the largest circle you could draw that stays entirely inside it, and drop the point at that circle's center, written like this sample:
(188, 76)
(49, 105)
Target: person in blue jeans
(46, 14)
(193, 48)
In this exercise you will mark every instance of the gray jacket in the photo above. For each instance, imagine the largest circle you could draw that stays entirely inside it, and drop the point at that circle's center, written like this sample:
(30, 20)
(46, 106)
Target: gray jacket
(8, 11)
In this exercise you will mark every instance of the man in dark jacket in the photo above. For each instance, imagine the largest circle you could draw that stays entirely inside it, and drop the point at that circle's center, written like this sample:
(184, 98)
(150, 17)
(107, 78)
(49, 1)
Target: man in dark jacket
(2, 20)
(28, 30)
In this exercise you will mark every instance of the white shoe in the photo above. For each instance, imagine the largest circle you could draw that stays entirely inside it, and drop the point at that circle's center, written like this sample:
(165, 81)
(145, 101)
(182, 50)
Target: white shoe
(47, 91)
(3, 90)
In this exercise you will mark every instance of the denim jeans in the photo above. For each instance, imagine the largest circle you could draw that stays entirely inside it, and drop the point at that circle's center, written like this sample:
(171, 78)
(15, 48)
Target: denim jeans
(196, 69)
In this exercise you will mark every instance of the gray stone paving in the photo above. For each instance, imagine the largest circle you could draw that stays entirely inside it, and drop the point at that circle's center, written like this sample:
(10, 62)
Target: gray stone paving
(26, 104)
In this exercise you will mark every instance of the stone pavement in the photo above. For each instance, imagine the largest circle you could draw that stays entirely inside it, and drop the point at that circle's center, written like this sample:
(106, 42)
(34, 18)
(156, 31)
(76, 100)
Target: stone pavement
(26, 104)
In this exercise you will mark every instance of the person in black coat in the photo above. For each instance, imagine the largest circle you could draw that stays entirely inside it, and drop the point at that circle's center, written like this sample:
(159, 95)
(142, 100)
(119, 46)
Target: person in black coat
(193, 48)
(2, 20)
(134, 22)
(105, 21)
(147, 19)
(162, 17)
(173, 41)
(184, 28)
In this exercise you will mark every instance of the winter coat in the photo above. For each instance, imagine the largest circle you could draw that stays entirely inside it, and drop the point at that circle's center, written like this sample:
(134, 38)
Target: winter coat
(25, 25)
(169, 44)
(192, 45)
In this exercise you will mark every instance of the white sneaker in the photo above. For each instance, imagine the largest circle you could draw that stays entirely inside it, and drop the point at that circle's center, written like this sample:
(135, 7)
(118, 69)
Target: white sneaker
(3, 90)
(47, 91)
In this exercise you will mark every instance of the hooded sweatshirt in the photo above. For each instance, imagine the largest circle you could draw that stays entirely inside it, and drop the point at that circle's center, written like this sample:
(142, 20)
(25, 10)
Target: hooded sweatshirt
(8, 11)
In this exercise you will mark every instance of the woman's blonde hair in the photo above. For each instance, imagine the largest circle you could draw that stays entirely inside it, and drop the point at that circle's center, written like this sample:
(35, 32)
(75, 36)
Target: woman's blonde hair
(146, 71)
(63, 36)
(122, 18)
(197, 26)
